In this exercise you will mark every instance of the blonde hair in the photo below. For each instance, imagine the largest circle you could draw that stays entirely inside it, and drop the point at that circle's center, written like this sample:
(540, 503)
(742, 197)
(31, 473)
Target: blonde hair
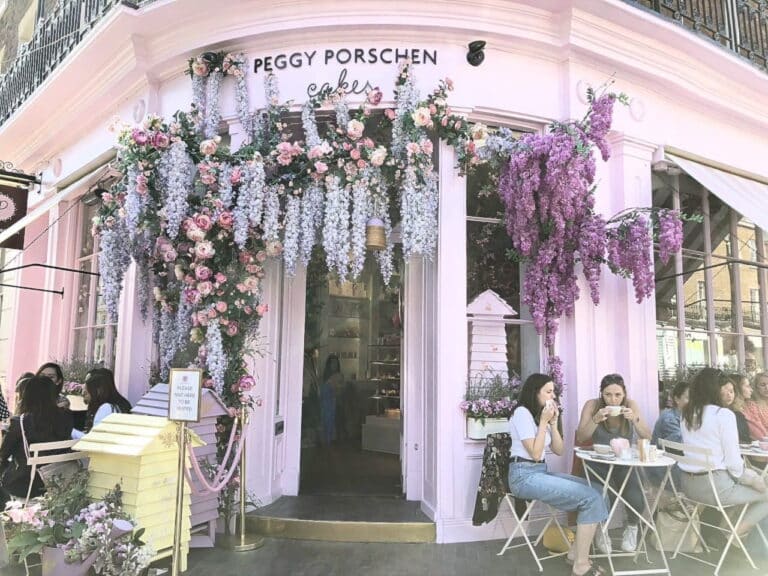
(738, 398)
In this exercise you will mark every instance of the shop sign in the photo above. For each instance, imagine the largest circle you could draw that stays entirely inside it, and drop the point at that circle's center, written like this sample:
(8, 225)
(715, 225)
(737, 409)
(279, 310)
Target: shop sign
(13, 207)
(346, 58)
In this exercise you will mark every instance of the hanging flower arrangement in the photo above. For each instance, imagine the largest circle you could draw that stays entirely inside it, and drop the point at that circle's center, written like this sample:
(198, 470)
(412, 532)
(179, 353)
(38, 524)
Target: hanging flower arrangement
(205, 219)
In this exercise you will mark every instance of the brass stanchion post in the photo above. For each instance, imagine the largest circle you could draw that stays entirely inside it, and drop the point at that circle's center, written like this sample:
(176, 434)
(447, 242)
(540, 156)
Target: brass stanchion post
(241, 542)
(178, 524)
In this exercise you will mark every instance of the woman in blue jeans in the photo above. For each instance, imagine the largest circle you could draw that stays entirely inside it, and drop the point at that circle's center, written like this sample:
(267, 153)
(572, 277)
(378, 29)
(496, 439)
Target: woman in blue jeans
(533, 428)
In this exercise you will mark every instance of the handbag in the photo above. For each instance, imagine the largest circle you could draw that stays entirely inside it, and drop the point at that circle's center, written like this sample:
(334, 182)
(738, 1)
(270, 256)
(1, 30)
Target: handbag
(671, 524)
(553, 538)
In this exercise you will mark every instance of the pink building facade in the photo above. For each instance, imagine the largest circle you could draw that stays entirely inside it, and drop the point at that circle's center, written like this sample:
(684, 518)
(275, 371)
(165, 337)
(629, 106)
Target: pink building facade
(688, 96)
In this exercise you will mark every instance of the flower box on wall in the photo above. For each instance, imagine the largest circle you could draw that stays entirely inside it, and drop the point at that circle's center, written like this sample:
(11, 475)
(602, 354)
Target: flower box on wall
(478, 429)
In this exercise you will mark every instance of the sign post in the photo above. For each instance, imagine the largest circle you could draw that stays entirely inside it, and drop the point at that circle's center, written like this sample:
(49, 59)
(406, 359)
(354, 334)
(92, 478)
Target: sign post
(185, 391)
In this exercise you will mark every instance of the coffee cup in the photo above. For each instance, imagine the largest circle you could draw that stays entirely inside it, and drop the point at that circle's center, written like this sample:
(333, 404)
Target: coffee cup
(613, 410)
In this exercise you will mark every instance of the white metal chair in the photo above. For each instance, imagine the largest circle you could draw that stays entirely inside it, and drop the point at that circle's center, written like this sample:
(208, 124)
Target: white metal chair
(38, 458)
(702, 458)
(525, 517)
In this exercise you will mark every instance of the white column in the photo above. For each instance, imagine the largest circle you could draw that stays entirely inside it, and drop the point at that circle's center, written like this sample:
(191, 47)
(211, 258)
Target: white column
(451, 334)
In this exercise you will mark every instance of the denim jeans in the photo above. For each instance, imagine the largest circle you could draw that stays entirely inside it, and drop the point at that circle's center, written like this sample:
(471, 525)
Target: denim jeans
(530, 481)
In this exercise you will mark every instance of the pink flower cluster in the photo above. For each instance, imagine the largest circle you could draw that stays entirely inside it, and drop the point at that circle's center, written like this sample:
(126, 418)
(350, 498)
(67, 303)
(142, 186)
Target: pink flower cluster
(286, 152)
(485, 408)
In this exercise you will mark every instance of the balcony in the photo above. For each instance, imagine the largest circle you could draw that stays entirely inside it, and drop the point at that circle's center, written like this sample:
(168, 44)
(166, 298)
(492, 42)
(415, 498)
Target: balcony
(56, 36)
(738, 25)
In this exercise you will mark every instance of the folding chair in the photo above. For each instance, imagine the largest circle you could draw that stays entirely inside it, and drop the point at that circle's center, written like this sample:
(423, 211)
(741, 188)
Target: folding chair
(702, 458)
(37, 458)
(519, 518)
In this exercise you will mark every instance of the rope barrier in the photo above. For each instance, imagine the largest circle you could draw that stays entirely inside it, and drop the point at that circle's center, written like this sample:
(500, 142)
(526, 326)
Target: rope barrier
(218, 482)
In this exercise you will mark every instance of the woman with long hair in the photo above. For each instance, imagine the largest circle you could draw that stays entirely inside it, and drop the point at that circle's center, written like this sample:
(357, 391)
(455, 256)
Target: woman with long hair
(39, 420)
(53, 371)
(614, 415)
(756, 408)
(729, 392)
(708, 425)
(102, 399)
(534, 428)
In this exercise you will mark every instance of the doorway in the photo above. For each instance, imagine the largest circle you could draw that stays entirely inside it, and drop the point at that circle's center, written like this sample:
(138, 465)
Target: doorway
(351, 396)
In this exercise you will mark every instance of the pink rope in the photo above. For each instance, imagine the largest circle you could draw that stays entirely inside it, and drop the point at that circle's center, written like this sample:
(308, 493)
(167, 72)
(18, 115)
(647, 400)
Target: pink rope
(217, 482)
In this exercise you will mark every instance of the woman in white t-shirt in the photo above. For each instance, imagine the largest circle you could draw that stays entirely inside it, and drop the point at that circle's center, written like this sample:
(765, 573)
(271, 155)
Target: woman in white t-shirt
(707, 425)
(534, 428)
(102, 398)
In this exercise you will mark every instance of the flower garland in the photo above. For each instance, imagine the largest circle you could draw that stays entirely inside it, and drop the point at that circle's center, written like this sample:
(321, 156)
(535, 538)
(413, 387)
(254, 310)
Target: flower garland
(214, 216)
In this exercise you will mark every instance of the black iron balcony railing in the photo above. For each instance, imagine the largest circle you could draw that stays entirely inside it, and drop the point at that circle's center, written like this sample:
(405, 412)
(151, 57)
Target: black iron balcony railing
(56, 36)
(739, 25)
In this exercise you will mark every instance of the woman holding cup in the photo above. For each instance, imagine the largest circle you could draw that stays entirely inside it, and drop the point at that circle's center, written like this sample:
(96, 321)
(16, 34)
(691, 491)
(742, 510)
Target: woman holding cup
(610, 416)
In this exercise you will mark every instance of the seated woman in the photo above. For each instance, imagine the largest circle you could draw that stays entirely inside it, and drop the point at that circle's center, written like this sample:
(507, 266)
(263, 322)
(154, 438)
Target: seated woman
(706, 424)
(756, 409)
(667, 427)
(102, 398)
(598, 423)
(53, 371)
(40, 420)
(533, 428)
(728, 397)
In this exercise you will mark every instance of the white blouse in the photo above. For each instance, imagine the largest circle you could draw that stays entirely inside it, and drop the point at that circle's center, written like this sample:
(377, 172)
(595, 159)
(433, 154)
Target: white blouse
(103, 411)
(719, 433)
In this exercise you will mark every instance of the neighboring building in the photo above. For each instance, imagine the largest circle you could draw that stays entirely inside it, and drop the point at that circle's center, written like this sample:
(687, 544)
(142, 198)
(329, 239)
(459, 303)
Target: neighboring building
(697, 117)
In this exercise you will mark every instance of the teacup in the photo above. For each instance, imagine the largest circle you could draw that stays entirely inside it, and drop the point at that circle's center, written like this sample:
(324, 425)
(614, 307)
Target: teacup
(613, 410)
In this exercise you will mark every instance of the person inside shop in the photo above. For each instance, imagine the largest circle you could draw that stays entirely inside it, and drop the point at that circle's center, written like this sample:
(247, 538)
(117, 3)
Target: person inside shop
(331, 383)
(728, 399)
(756, 409)
(614, 415)
(534, 428)
(40, 420)
(53, 371)
(708, 425)
(4, 412)
(102, 398)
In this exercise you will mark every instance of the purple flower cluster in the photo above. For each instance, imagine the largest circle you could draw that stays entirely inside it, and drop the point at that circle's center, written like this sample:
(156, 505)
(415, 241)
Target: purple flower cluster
(630, 254)
(485, 408)
(670, 234)
(600, 118)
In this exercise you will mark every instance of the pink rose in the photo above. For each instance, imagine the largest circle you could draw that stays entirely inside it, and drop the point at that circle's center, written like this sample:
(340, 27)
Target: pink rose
(141, 184)
(421, 117)
(321, 167)
(412, 148)
(202, 273)
(195, 234)
(139, 136)
(237, 173)
(160, 140)
(244, 257)
(261, 256)
(204, 250)
(203, 221)
(251, 283)
(200, 67)
(221, 306)
(246, 383)
(374, 96)
(232, 329)
(354, 154)
(212, 313)
(378, 156)
(361, 163)
(192, 296)
(205, 288)
(262, 309)
(208, 147)
(169, 255)
(426, 146)
(226, 219)
(355, 129)
(389, 113)
(220, 278)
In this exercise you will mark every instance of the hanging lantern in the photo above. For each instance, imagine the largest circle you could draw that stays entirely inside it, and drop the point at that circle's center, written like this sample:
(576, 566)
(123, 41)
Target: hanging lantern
(375, 234)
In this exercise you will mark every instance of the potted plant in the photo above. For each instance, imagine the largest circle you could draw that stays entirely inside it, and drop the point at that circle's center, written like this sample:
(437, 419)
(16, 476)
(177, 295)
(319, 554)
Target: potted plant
(74, 534)
(488, 403)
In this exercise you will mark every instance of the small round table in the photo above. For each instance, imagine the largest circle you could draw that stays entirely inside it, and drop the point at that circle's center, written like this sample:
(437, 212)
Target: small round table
(589, 459)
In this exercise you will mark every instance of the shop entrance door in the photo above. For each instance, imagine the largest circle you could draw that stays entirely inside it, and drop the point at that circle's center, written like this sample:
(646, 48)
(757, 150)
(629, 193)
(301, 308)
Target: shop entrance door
(351, 398)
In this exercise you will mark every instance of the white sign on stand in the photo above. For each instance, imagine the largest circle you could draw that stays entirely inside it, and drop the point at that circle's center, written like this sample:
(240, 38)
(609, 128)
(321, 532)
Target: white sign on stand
(185, 390)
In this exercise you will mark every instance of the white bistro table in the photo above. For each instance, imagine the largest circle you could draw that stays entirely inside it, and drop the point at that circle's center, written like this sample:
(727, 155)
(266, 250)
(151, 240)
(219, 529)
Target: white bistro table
(755, 458)
(645, 516)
